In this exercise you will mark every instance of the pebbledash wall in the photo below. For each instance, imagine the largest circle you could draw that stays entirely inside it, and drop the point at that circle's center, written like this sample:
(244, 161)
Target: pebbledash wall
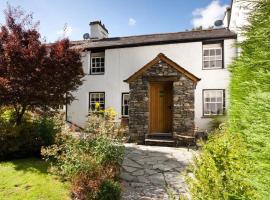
(183, 102)
(120, 63)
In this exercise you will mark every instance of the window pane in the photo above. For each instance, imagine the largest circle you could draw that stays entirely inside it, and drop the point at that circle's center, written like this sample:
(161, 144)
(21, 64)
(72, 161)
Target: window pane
(102, 69)
(96, 98)
(213, 102)
(212, 52)
(218, 51)
(213, 99)
(125, 99)
(219, 63)
(206, 64)
(212, 64)
(206, 52)
(102, 60)
(219, 108)
(213, 109)
(126, 110)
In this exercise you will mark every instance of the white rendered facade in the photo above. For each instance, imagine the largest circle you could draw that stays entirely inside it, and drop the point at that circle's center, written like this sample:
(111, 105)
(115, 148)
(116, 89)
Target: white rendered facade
(121, 63)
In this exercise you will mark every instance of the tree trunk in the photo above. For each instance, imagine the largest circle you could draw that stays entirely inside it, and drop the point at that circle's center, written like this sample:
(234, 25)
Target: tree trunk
(19, 115)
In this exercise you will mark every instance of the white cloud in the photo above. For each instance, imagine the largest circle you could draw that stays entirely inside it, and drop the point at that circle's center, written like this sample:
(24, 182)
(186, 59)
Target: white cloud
(66, 32)
(206, 17)
(131, 22)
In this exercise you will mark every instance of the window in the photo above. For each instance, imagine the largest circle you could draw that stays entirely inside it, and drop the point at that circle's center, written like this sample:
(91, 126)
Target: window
(96, 99)
(213, 102)
(212, 56)
(125, 100)
(97, 65)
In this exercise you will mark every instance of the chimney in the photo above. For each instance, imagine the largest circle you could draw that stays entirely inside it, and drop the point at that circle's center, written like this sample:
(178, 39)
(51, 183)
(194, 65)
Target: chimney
(98, 30)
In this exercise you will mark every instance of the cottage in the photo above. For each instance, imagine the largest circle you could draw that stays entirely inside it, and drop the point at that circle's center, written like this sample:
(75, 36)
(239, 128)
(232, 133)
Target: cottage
(162, 83)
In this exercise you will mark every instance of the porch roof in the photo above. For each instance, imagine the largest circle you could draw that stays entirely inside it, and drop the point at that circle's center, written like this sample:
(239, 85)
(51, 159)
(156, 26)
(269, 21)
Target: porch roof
(169, 62)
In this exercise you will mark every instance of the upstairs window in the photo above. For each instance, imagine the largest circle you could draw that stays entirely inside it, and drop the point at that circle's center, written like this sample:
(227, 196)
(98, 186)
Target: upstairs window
(212, 56)
(213, 102)
(97, 65)
(96, 101)
(125, 101)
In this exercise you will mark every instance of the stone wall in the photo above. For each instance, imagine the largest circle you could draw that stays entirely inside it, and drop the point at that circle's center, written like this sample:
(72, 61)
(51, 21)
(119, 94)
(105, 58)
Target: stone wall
(183, 102)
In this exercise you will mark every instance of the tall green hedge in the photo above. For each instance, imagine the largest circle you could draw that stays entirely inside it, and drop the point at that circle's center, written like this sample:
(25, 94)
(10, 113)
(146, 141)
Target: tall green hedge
(235, 162)
(250, 96)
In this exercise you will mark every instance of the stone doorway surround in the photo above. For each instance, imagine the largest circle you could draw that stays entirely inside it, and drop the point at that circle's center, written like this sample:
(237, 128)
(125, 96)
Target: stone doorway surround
(161, 68)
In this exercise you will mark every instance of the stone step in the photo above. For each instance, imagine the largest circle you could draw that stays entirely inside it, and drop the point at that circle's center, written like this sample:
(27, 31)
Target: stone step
(160, 142)
(159, 136)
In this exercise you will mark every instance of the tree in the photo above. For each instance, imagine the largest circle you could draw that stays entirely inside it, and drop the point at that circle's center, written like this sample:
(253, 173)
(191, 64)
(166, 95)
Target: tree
(32, 73)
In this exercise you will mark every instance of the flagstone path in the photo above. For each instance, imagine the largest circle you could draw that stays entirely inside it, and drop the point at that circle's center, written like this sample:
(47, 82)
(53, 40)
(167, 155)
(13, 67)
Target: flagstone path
(148, 172)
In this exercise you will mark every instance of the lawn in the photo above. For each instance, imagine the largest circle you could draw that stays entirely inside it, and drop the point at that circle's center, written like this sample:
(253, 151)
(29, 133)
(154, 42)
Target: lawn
(28, 179)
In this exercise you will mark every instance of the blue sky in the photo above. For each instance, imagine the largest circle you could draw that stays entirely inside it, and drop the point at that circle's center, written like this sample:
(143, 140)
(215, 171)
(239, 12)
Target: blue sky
(121, 17)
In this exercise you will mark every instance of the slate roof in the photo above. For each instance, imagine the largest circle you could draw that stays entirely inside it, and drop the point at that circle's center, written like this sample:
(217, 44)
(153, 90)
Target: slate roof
(155, 39)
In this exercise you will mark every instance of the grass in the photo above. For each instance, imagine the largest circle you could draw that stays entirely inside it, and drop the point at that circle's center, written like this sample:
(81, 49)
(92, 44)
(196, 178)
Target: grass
(28, 179)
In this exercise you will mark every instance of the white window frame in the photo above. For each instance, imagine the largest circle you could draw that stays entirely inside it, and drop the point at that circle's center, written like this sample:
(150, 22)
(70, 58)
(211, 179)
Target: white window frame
(95, 56)
(213, 58)
(99, 101)
(124, 105)
(213, 99)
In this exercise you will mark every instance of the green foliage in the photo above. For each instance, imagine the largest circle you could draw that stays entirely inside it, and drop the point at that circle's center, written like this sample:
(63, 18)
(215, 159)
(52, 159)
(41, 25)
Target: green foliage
(250, 94)
(26, 139)
(217, 121)
(219, 170)
(103, 122)
(90, 161)
(235, 162)
(109, 190)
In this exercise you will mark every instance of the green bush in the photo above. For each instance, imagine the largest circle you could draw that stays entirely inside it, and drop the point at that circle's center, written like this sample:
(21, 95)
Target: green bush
(109, 190)
(90, 161)
(103, 122)
(235, 163)
(26, 139)
(221, 170)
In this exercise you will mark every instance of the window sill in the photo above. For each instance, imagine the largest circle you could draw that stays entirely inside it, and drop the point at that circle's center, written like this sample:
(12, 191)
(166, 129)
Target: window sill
(97, 74)
(212, 68)
(210, 116)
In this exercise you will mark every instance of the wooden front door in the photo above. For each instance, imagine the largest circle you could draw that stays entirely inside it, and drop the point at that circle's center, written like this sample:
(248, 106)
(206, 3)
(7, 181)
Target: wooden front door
(160, 107)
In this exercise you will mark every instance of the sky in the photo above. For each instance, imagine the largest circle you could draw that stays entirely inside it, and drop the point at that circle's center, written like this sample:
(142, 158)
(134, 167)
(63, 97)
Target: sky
(121, 17)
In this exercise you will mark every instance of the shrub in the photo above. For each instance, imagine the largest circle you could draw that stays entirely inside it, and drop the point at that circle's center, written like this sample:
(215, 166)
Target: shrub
(109, 190)
(217, 121)
(91, 162)
(103, 122)
(221, 169)
(26, 139)
(235, 163)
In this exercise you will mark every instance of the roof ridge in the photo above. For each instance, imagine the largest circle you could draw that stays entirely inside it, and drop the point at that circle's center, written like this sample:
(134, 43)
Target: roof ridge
(151, 34)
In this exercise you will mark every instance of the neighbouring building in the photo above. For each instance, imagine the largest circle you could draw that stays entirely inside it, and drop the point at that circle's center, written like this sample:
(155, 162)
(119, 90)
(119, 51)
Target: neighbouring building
(161, 83)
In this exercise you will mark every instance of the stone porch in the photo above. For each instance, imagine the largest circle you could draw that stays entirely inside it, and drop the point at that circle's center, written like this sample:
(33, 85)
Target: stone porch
(161, 69)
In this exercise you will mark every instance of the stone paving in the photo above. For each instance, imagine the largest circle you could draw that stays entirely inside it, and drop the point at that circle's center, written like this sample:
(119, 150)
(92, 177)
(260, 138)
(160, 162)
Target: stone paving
(149, 171)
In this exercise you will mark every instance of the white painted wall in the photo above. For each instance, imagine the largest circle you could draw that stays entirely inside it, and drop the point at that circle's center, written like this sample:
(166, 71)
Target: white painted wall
(123, 62)
(239, 15)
